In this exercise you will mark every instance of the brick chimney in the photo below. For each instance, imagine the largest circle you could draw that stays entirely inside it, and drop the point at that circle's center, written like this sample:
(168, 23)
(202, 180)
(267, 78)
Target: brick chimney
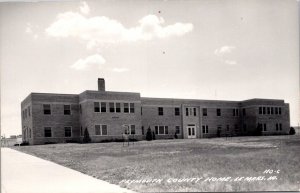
(101, 84)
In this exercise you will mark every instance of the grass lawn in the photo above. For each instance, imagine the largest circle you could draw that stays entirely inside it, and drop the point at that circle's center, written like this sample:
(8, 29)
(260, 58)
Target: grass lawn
(179, 159)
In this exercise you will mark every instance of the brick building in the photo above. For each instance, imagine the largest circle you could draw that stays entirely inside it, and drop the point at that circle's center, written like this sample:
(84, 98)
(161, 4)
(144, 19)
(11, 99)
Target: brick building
(107, 115)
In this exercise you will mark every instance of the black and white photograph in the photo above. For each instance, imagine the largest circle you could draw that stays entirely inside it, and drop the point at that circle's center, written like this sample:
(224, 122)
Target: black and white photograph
(108, 96)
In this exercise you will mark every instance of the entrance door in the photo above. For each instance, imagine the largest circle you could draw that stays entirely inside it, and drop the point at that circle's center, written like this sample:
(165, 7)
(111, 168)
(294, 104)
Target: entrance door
(191, 132)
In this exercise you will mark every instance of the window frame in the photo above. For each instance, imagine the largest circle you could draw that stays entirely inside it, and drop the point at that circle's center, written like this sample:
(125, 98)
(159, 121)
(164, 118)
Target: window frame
(177, 128)
(71, 131)
(205, 129)
(112, 107)
(218, 112)
(204, 112)
(70, 111)
(103, 108)
(50, 109)
(164, 127)
(97, 107)
(131, 108)
(177, 111)
(160, 111)
(100, 130)
(51, 133)
(118, 109)
(126, 108)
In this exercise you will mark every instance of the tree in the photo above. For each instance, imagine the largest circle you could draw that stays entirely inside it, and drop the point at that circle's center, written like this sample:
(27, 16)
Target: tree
(292, 131)
(149, 134)
(175, 136)
(153, 135)
(86, 137)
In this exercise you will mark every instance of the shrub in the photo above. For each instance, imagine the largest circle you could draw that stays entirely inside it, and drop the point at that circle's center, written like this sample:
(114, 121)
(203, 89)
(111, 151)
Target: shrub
(258, 131)
(292, 131)
(149, 134)
(175, 136)
(24, 143)
(86, 138)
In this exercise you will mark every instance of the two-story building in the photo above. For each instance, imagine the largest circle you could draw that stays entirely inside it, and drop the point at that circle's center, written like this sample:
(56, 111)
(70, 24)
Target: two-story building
(60, 118)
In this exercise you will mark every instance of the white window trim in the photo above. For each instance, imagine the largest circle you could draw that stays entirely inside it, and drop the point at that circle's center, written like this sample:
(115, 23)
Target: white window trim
(164, 129)
(70, 109)
(191, 111)
(205, 129)
(100, 130)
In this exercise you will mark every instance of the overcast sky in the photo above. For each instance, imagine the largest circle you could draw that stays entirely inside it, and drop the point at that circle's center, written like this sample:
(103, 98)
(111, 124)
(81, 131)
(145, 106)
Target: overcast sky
(202, 49)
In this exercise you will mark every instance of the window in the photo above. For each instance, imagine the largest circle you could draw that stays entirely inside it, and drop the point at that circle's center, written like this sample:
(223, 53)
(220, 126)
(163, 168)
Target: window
(29, 111)
(132, 129)
(272, 110)
(81, 131)
(204, 128)
(280, 126)
(47, 109)
(112, 107)
(68, 131)
(141, 110)
(264, 110)
(131, 107)
(227, 128)
(96, 107)
(244, 112)
(80, 109)
(265, 127)
(25, 113)
(204, 112)
(103, 107)
(161, 130)
(47, 132)
(260, 110)
(67, 109)
(268, 110)
(177, 111)
(245, 127)
(143, 132)
(29, 133)
(235, 112)
(177, 129)
(277, 127)
(279, 110)
(126, 107)
(191, 111)
(118, 107)
(100, 129)
(218, 112)
(160, 111)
